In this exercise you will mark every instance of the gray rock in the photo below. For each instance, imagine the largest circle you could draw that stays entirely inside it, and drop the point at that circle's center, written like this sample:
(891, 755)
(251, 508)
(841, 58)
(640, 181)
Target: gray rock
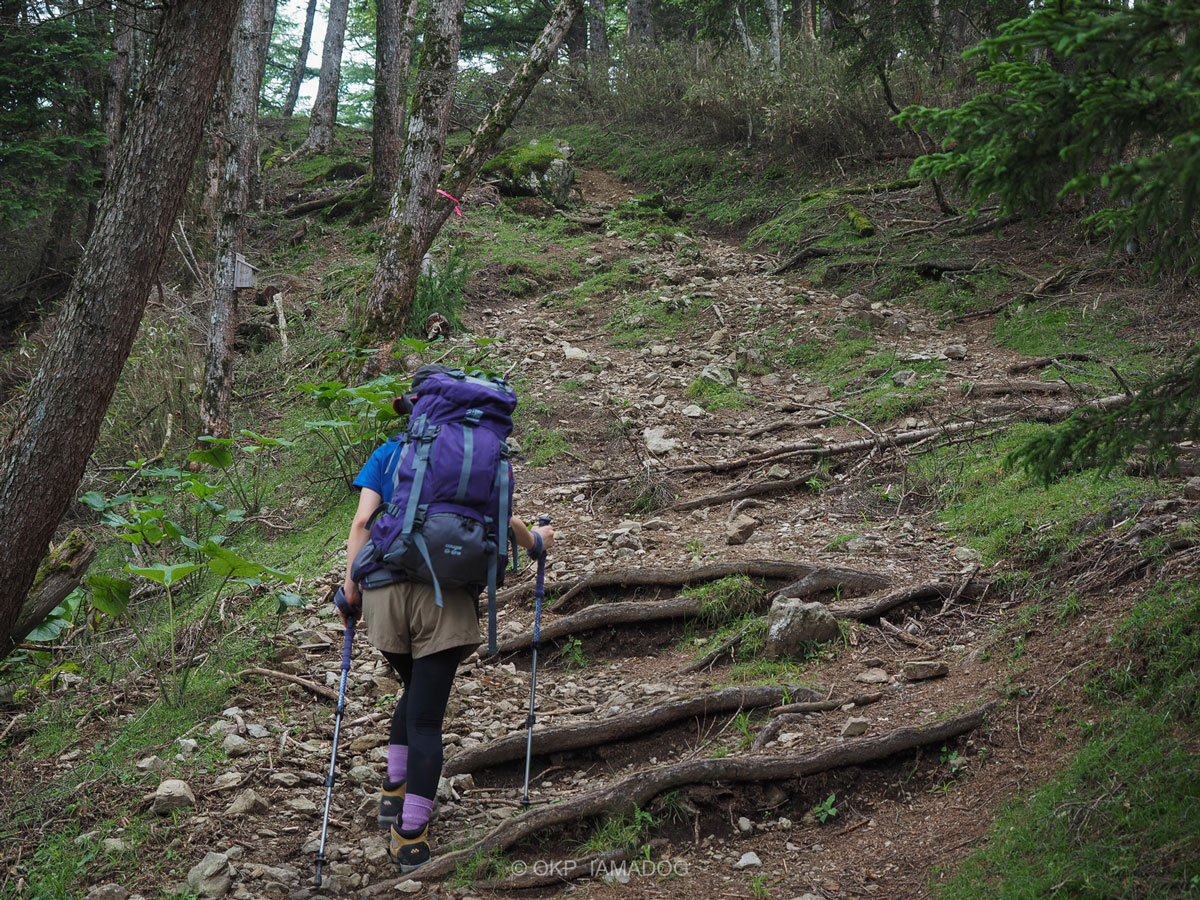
(872, 676)
(1191, 490)
(247, 803)
(284, 779)
(211, 877)
(955, 351)
(793, 625)
(258, 731)
(740, 529)
(151, 764)
(897, 325)
(750, 858)
(779, 473)
(722, 375)
(363, 775)
(188, 746)
(855, 726)
(172, 794)
(409, 887)
(744, 825)
(235, 745)
(657, 441)
(693, 412)
(300, 805)
(228, 781)
(109, 891)
(924, 669)
(967, 554)
(904, 377)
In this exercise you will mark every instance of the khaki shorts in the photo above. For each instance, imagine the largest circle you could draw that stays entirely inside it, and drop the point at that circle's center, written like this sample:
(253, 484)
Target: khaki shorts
(404, 618)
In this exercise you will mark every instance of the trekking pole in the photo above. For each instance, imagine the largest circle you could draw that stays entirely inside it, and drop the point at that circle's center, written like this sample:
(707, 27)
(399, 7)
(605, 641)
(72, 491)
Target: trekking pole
(539, 592)
(352, 613)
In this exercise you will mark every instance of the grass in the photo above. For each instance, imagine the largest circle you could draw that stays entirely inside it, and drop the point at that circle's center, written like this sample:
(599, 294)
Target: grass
(726, 600)
(1123, 819)
(1005, 514)
(627, 831)
(714, 395)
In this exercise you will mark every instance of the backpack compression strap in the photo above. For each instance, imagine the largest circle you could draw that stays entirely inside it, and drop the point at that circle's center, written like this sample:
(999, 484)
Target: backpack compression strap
(501, 551)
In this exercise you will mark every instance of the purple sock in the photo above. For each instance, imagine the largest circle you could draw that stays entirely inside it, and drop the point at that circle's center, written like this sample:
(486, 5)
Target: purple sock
(417, 811)
(397, 762)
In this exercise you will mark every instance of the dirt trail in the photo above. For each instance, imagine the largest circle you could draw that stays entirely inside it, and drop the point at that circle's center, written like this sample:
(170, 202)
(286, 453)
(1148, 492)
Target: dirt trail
(624, 395)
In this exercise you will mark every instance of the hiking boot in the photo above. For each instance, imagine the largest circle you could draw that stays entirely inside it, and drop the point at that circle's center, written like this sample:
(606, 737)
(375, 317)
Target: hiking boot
(409, 849)
(391, 803)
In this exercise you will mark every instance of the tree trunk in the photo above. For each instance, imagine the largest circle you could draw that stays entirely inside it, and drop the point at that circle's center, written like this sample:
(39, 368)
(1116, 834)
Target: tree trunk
(395, 28)
(301, 67)
(577, 46)
(744, 36)
(641, 23)
(44, 457)
(775, 21)
(324, 111)
(598, 37)
(417, 212)
(236, 171)
(116, 86)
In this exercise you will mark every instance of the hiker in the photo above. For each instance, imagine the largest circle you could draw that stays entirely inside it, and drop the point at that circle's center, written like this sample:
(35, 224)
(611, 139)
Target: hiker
(423, 630)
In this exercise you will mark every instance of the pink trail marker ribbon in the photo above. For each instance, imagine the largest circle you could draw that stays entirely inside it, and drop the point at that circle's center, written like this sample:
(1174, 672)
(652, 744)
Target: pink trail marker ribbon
(452, 200)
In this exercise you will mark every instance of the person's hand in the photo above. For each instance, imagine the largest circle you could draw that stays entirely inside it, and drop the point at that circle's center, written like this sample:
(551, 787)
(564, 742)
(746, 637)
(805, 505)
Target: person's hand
(547, 534)
(353, 597)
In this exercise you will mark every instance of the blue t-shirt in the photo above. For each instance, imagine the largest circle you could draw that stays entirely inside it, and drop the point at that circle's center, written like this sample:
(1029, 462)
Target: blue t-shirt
(376, 475)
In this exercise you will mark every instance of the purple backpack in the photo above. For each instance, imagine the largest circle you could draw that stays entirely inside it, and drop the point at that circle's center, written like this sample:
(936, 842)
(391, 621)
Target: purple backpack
(452, 485)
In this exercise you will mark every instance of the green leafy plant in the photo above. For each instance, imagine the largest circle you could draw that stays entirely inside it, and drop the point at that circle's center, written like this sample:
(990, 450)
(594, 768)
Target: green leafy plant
(826, 809)
(572, 654)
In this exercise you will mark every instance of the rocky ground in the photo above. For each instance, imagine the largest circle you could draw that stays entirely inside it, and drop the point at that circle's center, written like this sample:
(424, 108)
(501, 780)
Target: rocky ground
(637, 429)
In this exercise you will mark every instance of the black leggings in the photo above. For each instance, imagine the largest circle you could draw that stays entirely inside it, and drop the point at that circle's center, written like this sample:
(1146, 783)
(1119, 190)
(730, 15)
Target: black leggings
(417, 721)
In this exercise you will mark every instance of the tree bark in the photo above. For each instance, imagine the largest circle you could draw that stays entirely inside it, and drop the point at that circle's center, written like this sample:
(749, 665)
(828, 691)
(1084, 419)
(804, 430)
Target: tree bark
(395, 27)
(640, 30)
(301, 67)
(324, 111)
(775, 23)
(577, 46)
(417, 212)
(241, 133)
(116, 86)
(597, 20)
(44, 457)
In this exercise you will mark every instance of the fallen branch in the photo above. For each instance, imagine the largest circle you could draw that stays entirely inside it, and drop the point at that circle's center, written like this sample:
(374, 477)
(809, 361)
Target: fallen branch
(1000, 388)
(907, 638)
(318, 689)
(589, 221)
(640, 788)
(638, 723)
(809, 706)
(1049, 361)
(869, 608)
(755, 568)
(862, 226)
(757, 489)
(800, 257)
(308, 206)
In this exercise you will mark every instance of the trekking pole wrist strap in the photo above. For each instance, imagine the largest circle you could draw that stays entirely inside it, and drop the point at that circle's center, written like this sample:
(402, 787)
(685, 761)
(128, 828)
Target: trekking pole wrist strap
(538, 550)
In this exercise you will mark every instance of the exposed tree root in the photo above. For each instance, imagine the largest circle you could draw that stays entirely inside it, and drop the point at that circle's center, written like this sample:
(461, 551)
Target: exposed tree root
(634, 724)
(1045, 361)
(726, 648)
(755, 568)
(834, 578)
(794, 713)
(757, 489)
(641, 787)
(869, 608)
(60, 573)
(603, 615)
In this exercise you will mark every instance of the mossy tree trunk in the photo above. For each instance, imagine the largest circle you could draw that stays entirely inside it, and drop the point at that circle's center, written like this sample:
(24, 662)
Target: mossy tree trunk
(65, 405)
(417, 211)
(241, 133)
(324, 111)
(301, 67)
(395, 27)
